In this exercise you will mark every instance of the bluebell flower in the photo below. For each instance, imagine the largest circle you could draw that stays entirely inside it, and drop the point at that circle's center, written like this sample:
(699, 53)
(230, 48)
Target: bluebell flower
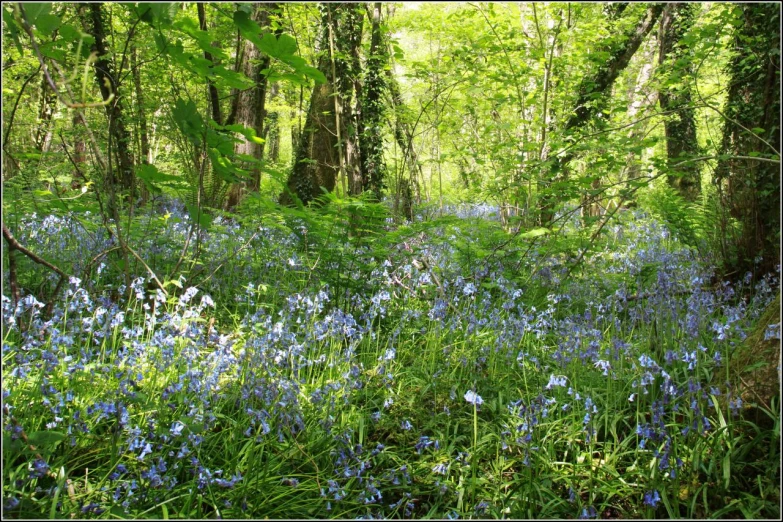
(406, 425)
(227, 483)
(93, 507)
(651, 498)
(555, 381)
(119, 471)
(647, 362)
(176, 429)
(146, 451)
(603, 365)
(473, 398)
(38, 469)
(440, 468)
(772, 332)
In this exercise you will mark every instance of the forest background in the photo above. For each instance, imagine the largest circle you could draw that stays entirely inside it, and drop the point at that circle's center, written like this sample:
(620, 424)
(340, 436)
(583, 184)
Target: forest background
(403, 171)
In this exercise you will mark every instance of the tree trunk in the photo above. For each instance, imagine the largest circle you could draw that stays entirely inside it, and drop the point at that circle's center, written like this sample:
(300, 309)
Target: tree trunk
(680, 127)
(144, 142)
(79, 151)
(372, 107)
(750, 188)
(141, 118)
(295, 131)
(272, 130)
(317, 161)
(642, 103)
(120, 137)
(249, 106)
(214, 98)
(46, 109)
(592, 91)
(347, 24)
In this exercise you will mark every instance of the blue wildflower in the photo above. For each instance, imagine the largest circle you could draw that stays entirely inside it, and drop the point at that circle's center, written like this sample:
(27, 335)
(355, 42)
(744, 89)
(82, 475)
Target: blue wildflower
(555, 381)
(39, 468)
(473, 398)
(651, 498)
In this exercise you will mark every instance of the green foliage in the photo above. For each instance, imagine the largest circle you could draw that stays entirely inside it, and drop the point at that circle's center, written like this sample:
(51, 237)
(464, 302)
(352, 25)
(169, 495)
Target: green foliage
(275, 383)
(685, 220)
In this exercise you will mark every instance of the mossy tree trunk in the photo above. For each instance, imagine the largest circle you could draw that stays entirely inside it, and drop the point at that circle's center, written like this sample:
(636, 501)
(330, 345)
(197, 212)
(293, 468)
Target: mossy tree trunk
(751, 188)
(317, 160)
(675, 95)
(122, 174)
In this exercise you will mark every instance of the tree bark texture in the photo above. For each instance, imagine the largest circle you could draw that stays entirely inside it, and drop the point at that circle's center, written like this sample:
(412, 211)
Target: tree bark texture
(272, 129)
(403, 134)
(105, 76)
(214, 98)
(751, 189)
(372, 110)
(317, 163)
(249, 106)
(675, 95)
(144, 142)
(46, 109)
(347, 26)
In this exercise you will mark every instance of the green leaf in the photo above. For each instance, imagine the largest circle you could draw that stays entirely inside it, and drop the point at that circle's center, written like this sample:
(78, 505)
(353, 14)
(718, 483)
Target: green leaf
(52, 50)
(157, 13)
(231, 78)
(188, 120)
(203, 38)
(536, 232)
(152, 177)
(46, 440)
(203, 218)
(315, 74)
(247, 132)
(288, 77)
(13, 28)
(34, 10)
(726, 470)
(11, 445)
(47, 23)
(286, 45)
(245, 24)
(221, 141)
(174, 282)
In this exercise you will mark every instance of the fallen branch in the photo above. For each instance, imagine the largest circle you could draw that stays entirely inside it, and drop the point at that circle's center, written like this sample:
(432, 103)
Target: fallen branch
(13, 244)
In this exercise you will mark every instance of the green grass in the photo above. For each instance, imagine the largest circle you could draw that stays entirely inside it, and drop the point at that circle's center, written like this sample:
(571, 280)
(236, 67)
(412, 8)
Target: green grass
(314, 413)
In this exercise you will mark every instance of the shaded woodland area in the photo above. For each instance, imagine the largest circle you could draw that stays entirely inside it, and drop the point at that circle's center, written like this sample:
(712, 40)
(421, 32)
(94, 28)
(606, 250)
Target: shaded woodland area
(317, 234)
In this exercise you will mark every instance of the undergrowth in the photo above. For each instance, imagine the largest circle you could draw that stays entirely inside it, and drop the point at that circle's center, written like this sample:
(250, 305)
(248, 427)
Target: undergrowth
(334, 365)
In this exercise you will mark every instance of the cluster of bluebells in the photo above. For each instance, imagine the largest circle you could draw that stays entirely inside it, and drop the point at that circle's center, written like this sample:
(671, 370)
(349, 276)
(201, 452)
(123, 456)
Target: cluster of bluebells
(260, 371)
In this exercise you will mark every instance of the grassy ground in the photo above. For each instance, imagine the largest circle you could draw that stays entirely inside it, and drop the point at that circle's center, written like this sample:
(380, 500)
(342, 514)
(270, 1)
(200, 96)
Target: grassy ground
(423, 372)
